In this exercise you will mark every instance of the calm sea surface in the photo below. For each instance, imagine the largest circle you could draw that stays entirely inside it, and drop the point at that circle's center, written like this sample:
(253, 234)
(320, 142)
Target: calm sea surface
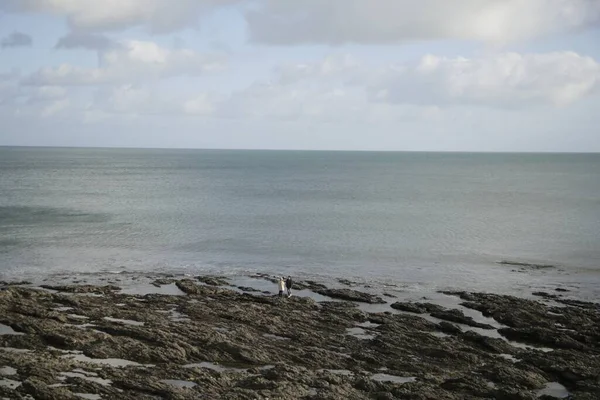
(418, 220)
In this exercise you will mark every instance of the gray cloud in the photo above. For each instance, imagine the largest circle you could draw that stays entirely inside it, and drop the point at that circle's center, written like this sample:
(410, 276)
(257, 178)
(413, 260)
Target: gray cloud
(85, 41)
(16, 39)
(158, 16)
(395, 21)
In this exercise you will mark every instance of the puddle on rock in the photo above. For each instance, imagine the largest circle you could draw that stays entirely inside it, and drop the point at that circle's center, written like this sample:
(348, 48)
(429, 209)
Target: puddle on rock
(124, 321)
(508, 357)
(176, 316)
(393, 378)
(214, 367)
(178, 383)
(88, 396)
(368, 324)
(437, 334)
(275, 337)
(61, 309)
(111, 362)
(15, 350)
(77, 316)
(359, 333)
(143, 289)
(85, 376)
(7, 330)
(553, 389)
(7, 371)
(9, 383)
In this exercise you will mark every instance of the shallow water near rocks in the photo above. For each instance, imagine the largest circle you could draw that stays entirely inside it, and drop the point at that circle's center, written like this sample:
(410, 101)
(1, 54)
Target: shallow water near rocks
(88, 396)
(553, 389)
(393, 378)
(359, 333)
(85, 376)
(111, 362)
(7, 371)
(124, 321)
(142, 289)
(7, 330)
(9, 383)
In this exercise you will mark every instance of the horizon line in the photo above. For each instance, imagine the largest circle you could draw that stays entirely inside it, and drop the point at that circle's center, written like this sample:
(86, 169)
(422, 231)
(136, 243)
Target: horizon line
(303, 150)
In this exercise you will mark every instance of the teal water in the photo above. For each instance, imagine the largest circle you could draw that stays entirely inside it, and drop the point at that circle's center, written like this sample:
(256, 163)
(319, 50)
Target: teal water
(415, 219)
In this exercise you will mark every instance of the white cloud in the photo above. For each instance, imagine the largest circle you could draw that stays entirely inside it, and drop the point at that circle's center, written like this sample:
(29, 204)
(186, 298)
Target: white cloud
(131, 61)
(392, 21)
(105, 15)
(504, 80)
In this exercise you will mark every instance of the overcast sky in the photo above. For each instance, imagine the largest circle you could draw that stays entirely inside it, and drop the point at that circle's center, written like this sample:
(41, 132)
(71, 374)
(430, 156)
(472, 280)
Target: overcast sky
(467, 75)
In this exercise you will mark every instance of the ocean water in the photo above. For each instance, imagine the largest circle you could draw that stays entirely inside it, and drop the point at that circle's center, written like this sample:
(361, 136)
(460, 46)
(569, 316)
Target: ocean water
(421, 221)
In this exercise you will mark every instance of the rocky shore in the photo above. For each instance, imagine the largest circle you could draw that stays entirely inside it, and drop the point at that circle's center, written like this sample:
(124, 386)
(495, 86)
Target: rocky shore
(208, 338)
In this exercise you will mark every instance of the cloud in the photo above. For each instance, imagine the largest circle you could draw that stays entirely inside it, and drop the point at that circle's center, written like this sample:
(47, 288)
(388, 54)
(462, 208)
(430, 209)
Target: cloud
(131, 61)
(16, 39)
(395, 21)
(505, 79)
(85, 41)
(158, 16)
(500, 80)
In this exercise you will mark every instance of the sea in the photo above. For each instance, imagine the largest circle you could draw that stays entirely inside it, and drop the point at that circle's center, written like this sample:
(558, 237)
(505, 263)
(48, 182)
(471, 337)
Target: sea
(414, 221)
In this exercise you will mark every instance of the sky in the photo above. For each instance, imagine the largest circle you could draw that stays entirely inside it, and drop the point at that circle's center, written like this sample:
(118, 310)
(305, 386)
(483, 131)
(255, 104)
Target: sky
(427, 75)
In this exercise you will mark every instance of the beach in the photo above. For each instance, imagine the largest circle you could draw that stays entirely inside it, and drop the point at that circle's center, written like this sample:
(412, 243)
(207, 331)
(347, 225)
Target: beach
(212, 337)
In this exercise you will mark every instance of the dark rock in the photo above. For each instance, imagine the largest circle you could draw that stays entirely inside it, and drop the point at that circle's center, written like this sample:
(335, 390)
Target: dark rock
(235, 332)
(526, 265)
(213, 280)
(351, 295)
(546, 295)
(454, 315)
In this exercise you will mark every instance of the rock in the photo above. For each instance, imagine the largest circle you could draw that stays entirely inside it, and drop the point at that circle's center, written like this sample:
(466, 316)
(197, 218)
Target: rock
(454, 315)
(351, 295)
(417, 308)
(250, 346)
(526, 265)
(546, 295)
(213, 280)
(83, 288)
(558, 289)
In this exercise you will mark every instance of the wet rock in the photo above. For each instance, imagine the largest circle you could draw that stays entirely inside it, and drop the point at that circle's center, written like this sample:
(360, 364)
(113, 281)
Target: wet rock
(82, 288)
(454, 315)
(351, 295)
(417, 308)
(213, 280)
(546, 295)
(526, 265)
(247, 346)
(162, 281)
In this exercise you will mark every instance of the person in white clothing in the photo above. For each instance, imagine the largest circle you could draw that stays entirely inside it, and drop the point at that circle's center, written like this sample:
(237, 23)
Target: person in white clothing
(281, 286)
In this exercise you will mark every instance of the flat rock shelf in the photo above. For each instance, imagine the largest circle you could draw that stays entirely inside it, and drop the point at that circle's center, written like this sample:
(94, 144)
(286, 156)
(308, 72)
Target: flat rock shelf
(243, 342)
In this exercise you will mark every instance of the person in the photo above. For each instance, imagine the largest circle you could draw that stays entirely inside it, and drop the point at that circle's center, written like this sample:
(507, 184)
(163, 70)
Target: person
(288, 284)
(281, 286)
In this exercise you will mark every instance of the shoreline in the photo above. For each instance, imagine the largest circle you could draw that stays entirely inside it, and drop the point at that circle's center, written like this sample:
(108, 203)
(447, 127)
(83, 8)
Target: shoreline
(232, 338)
